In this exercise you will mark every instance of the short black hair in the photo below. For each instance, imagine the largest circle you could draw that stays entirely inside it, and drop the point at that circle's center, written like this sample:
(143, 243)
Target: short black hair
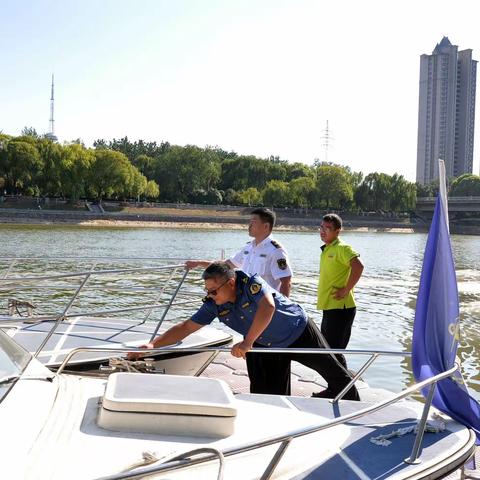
(266, 215)
(220, 270)
(333, 218)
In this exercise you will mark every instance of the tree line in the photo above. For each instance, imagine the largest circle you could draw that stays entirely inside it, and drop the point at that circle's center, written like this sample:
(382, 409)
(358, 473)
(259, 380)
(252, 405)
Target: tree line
(121, 169)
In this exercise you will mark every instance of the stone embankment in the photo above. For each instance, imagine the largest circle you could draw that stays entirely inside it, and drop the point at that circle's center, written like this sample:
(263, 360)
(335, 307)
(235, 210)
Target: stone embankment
(210, 217)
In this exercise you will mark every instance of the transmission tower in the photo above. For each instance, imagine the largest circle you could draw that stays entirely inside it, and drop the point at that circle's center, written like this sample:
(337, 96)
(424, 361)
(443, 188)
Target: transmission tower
(327, 141)
(51, 133)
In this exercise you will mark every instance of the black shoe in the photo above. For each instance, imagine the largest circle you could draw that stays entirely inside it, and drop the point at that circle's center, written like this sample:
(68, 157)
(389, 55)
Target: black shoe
(327, 393)
(352, 394)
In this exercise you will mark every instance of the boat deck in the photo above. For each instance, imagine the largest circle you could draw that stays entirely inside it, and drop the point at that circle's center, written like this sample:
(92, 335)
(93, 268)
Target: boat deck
(233, 371)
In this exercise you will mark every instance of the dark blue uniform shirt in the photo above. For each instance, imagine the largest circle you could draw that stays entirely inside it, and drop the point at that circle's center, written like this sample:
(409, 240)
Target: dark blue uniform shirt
(287, 324)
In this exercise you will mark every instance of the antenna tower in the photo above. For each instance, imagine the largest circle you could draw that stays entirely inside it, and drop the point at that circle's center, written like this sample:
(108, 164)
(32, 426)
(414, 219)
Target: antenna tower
(327, 139)
(51, 133)
(52, 101)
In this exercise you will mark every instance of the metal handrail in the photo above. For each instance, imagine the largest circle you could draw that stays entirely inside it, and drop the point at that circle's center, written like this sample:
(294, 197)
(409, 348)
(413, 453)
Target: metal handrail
(58, 318)
(106, 259)
(96, 313)
(155, 351)
(87, 272)
(285, 439)
(172, 298)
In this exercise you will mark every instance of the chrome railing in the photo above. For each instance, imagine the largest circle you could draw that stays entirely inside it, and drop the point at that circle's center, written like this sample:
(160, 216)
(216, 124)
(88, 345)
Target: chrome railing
(176, 275)
(285, 439)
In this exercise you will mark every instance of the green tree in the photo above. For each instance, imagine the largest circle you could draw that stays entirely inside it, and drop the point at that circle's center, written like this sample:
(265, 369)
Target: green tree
(109, 173)
(333, 187)
(74, 172)
(380, 191)
(29, 132)
(302, 191)
(231, 197)
(467, 185)
(145, 164)
(250, 196)
(135, 183)
(49, 178)
(373, 193)
(298, 170)
(184, 170)
(22, 165)
(276, 194)
(152, 191)
(403, 194)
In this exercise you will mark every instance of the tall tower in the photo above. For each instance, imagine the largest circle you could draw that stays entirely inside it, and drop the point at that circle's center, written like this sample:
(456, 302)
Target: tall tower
(327, 141)
(446, 112)
(51, 132)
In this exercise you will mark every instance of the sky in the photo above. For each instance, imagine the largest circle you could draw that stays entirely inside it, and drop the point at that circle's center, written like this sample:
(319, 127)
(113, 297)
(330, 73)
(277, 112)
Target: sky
(258, 77)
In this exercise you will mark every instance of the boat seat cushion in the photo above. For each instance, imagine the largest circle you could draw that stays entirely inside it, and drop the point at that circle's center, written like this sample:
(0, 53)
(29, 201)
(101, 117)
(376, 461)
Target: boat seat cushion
(140, 392)
(167, 404)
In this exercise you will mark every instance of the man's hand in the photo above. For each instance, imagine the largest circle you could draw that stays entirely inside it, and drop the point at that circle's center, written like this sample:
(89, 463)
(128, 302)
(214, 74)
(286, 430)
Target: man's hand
(239, 350)
(137, 355)
(340, 293)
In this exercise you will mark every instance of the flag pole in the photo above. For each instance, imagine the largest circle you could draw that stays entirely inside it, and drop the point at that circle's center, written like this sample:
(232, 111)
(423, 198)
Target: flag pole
(442, 181)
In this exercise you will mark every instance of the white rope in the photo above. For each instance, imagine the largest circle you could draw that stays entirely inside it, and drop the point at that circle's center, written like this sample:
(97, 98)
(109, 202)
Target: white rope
(434, 425)
(136, 366)
(147, 459)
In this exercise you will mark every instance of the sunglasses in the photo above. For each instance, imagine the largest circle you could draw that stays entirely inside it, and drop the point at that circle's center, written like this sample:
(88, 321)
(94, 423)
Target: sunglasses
(214, 291)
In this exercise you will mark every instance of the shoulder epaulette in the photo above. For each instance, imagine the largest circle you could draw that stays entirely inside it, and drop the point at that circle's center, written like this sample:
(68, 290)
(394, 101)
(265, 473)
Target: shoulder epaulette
(275, 244)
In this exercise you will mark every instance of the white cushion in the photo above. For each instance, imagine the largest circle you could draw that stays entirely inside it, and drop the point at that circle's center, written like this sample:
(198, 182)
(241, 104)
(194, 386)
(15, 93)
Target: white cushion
(142, 392)
(168, 405)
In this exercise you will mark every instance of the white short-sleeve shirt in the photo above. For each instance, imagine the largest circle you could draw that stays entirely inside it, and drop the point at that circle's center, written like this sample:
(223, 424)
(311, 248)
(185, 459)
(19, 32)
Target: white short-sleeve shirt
(267, 259)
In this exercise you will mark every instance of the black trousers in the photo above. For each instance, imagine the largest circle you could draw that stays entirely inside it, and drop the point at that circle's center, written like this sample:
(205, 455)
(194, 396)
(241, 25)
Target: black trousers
(270, 373)
(337, 328)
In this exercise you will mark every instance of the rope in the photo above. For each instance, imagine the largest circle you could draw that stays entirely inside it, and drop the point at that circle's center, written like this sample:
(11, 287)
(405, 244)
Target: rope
(149, 458)
(435, 425)
(135, 366)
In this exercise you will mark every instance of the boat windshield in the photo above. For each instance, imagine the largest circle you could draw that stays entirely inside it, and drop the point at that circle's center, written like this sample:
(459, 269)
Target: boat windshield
(13, 361)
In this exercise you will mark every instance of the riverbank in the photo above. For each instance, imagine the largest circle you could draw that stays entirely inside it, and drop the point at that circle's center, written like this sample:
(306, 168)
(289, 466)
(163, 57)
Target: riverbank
(186, 219)
(186, 216)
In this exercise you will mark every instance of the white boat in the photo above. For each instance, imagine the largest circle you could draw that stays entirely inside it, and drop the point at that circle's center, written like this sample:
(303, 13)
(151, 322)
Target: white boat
(52, 335)
(130, 425)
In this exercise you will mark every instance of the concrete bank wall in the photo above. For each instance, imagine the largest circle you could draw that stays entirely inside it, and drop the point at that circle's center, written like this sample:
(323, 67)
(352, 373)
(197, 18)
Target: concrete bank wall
(65, 216)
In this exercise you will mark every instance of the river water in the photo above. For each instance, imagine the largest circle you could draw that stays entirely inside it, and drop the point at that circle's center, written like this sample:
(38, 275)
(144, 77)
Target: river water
(386, 293)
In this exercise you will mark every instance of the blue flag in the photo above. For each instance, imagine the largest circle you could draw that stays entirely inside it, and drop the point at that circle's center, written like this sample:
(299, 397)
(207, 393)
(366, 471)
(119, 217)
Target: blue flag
(436, 327)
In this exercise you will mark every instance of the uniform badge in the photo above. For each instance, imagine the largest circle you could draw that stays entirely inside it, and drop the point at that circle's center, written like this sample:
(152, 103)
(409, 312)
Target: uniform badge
(246, 304)
(255, 288)
(275, 244)
(245, 252)
(223, 313)
(282, 263)
(263, 255)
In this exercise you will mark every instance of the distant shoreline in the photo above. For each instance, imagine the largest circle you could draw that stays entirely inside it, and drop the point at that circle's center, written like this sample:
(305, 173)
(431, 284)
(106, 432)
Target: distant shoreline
(210, 219)
(204, 224)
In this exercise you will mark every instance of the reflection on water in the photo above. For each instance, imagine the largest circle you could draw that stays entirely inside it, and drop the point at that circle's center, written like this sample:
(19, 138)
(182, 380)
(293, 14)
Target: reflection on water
(386, 294)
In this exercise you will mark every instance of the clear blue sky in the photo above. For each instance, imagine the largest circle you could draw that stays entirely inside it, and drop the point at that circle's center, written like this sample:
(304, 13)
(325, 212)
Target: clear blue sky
(258, 77)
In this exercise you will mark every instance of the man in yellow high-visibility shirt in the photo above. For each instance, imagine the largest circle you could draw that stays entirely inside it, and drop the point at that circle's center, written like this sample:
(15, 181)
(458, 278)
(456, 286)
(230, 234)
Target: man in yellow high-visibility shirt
(340, 270)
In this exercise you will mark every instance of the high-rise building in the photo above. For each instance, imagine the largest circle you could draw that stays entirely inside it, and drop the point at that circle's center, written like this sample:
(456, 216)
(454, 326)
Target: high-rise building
(446, 112)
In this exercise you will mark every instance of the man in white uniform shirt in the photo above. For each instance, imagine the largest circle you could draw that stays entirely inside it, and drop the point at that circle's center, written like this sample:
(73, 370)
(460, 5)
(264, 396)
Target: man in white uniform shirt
(262, 256)
(267, 258)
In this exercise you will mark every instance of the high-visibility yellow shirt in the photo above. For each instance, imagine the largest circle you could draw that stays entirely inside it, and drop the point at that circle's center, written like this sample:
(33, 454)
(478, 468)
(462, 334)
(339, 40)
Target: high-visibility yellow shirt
(334, 273)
